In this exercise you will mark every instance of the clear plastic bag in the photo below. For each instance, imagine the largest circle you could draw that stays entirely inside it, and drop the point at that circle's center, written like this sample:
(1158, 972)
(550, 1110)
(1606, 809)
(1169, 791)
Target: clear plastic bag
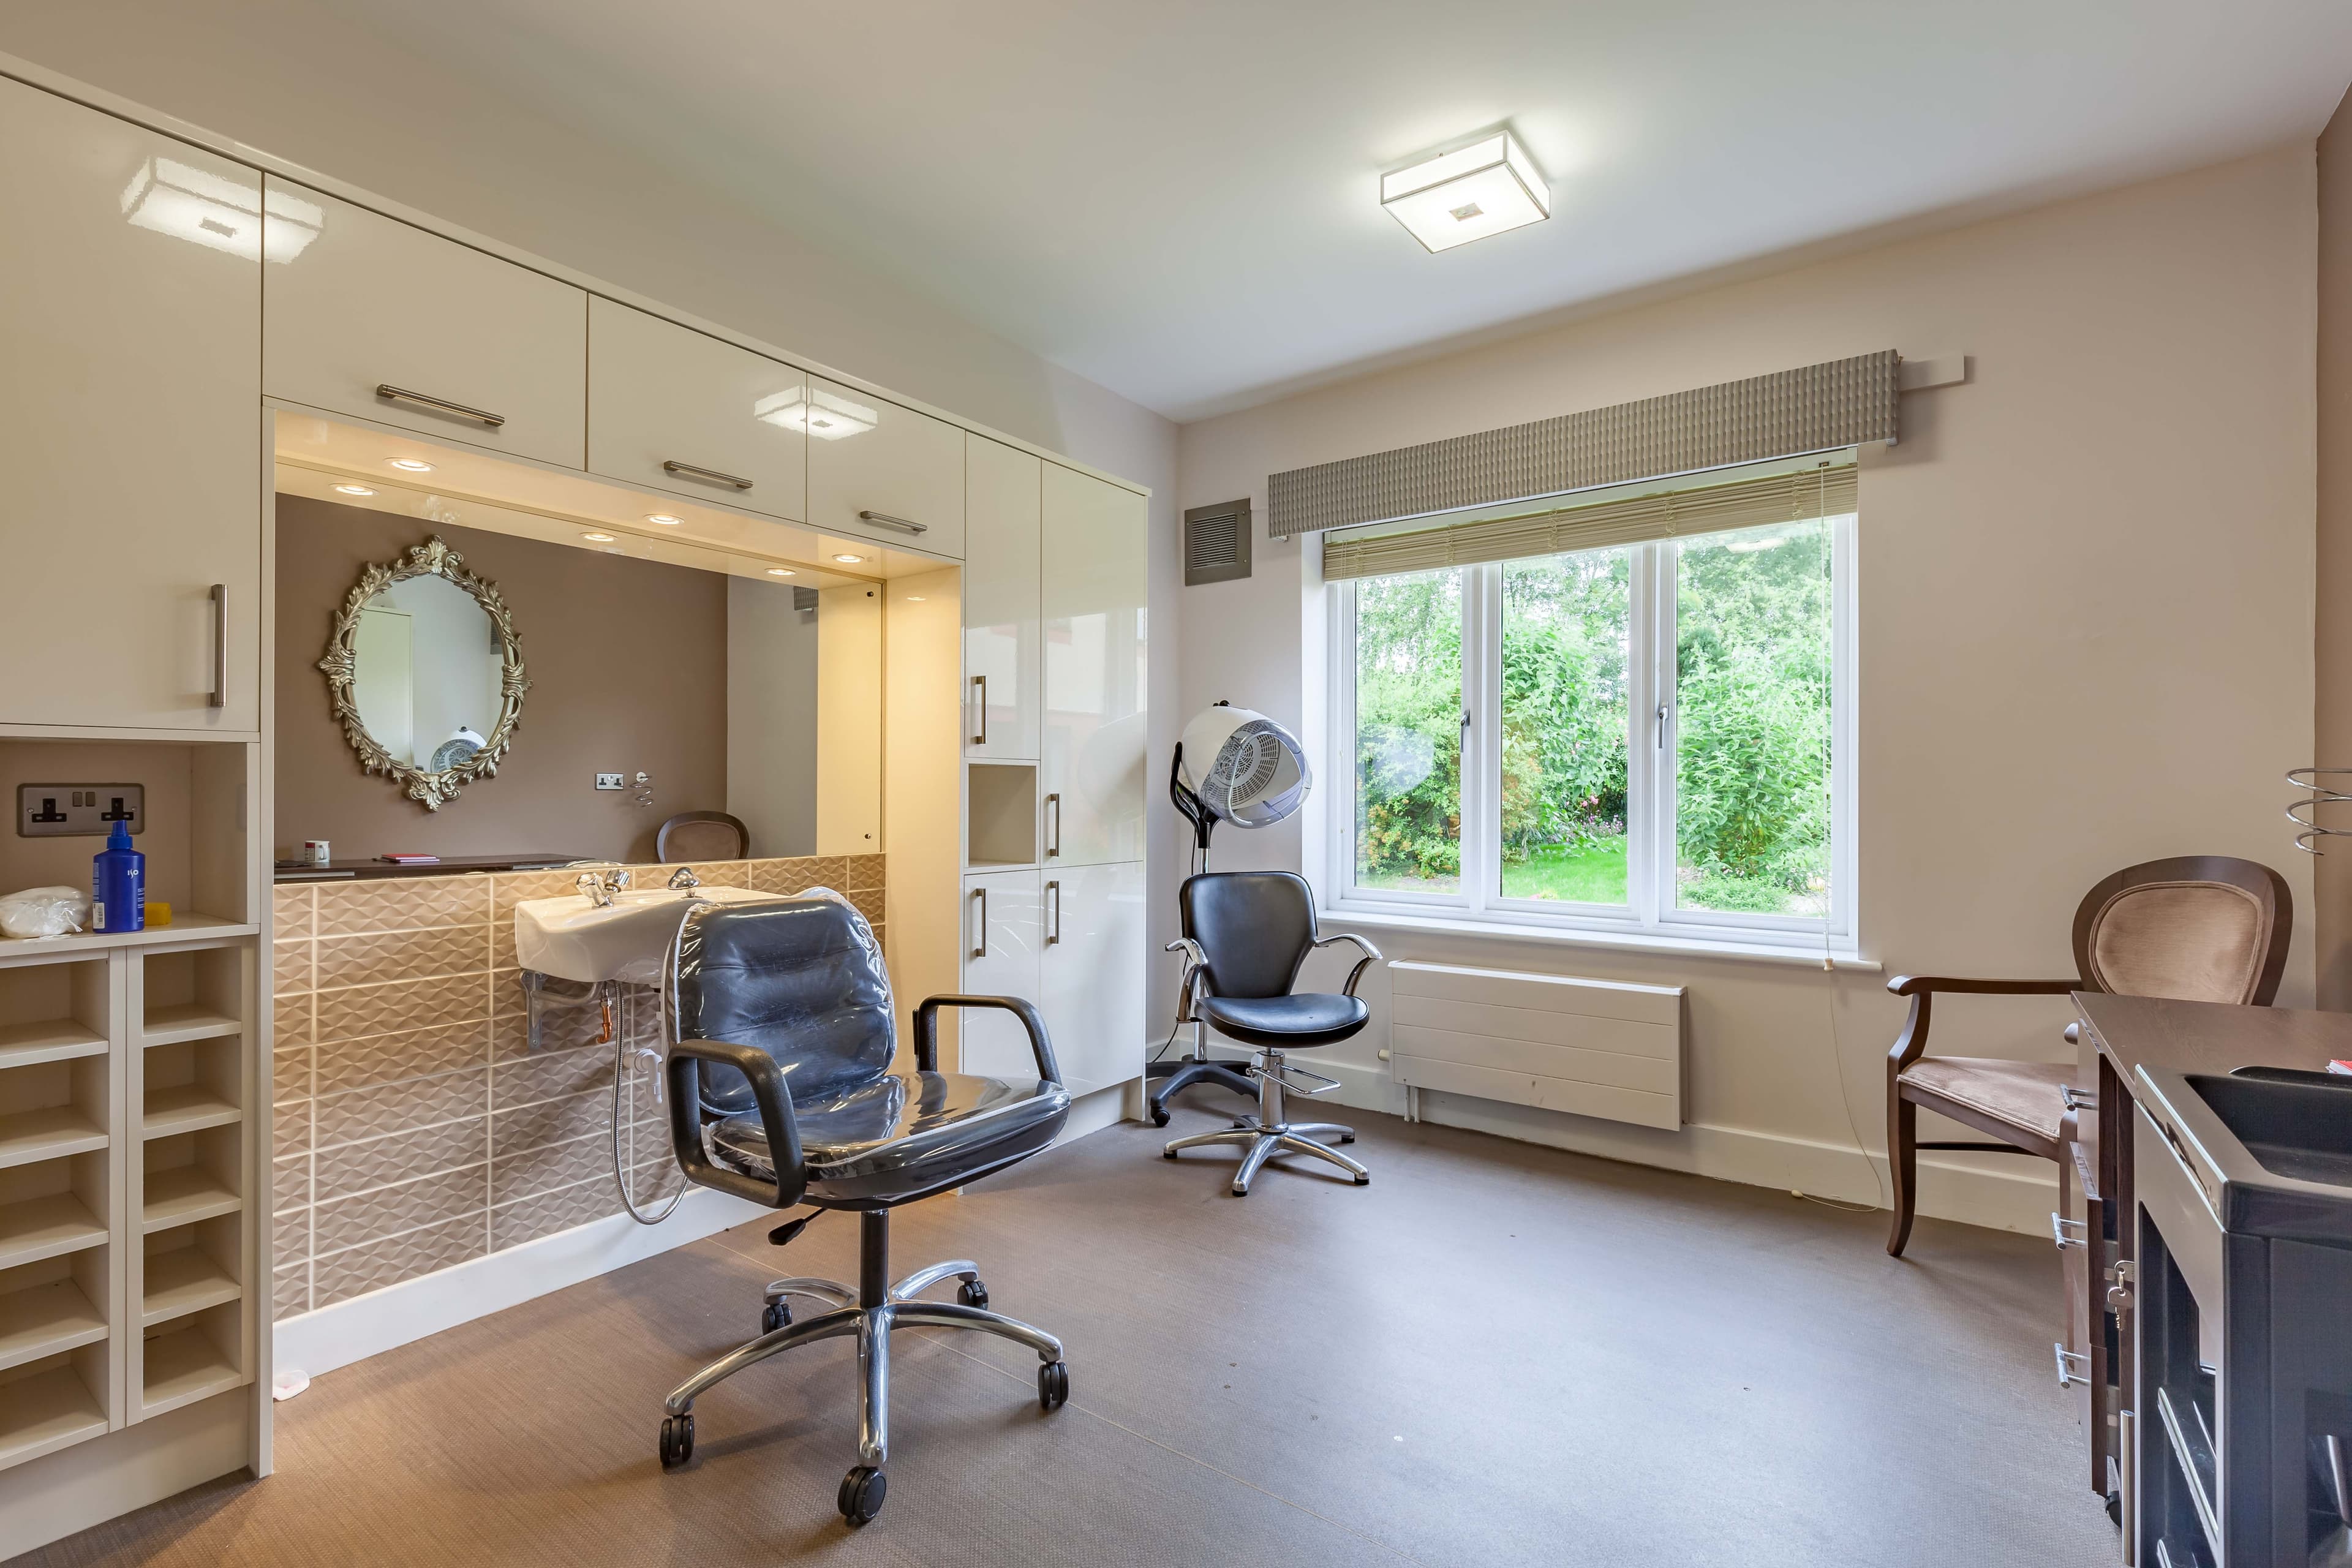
(44, 911)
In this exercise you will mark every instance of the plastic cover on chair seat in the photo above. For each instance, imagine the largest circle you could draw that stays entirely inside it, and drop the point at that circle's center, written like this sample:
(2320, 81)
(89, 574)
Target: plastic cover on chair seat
(903, 1134)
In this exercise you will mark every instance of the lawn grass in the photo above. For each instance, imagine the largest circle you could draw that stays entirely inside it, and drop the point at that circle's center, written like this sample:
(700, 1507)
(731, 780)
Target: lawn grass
(1593, 874)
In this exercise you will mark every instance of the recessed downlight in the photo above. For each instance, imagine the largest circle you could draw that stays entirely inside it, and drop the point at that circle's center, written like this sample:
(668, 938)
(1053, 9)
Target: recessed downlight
(665, 518)
(597, 538)
(914, 598)
(849, 560)
(411, 465)
(778, 572)
(353, 490)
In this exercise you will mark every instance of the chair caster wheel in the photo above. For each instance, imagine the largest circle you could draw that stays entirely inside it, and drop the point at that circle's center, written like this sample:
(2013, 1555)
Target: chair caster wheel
(973, 1293)
(1168, 1153)
(862, 1491)
(1347, 1138)
(1052, 1385)
(773, 1316)
(1363, 1180)
(677, 1440)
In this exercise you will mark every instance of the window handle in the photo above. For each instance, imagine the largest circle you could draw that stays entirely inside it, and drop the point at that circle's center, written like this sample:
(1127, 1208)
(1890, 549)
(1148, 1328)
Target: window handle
(1662, 726)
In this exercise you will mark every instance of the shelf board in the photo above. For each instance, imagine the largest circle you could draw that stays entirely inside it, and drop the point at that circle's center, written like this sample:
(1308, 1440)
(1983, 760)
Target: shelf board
(48, 1133)
(44, 1413)
(188, 927)
(35, 1228)
(182, 1367)
(49, 1040)
(184, 1196)
(979, 868)
(185, 1107)
(181, 1281)
(46, 1319)
(187, 1021)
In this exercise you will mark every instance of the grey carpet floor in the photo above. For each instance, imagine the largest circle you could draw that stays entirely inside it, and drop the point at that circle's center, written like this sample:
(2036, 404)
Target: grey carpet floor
(1496, 1354)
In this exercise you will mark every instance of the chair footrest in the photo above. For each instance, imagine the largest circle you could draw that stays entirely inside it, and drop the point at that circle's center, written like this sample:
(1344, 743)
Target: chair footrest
(1285, 1074)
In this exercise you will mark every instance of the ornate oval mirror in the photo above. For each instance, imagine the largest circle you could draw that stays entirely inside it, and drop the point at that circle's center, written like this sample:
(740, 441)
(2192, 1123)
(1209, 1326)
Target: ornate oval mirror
(426, 673)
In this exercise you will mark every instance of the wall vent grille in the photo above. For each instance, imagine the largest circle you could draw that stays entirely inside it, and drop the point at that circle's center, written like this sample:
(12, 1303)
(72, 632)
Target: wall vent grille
(1217, 542)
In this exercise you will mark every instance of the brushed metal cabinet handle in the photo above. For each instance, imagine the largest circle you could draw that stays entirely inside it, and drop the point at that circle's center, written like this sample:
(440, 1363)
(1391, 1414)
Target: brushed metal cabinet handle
(1054, 839)
(672, 466)
(440, 404)
(1053, 930)
(219, 697)
(979, 946)
(887, 520)
(980, 706)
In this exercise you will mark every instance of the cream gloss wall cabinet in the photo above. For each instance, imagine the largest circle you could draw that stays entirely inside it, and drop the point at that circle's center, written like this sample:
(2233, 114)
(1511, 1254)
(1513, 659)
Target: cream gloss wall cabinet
(1002, 635)
(1091, 764)
(367, 316)
(880, 472)
(128, 321)
(678, 410)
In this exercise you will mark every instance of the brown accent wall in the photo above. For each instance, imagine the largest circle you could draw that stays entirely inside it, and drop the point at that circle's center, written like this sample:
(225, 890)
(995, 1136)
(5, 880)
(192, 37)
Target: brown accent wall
(2332, 638)
(627, 661)
(415, 1125)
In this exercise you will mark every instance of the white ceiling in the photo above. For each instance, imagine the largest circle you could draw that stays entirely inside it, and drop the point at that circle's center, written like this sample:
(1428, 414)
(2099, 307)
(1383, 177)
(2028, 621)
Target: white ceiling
(1180, 200)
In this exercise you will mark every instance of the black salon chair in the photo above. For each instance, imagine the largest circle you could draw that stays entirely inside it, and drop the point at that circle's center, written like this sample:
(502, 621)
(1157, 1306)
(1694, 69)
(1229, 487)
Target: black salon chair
(1246, 934)
(781, 1092)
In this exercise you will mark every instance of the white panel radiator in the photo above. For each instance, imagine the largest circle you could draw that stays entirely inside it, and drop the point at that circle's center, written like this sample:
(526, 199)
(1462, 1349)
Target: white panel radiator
(1596, 1048)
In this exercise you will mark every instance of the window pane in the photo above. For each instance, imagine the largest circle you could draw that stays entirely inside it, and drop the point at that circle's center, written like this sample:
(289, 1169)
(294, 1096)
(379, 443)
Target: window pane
(1565, 640)
(1408, 731)
(1752, 720)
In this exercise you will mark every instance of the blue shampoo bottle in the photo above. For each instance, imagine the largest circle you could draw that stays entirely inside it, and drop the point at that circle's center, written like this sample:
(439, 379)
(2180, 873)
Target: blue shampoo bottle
(118, 884)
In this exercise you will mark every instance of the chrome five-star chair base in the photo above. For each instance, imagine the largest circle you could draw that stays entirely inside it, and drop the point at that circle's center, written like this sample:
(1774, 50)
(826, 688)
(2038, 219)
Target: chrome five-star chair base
(1266, 1134)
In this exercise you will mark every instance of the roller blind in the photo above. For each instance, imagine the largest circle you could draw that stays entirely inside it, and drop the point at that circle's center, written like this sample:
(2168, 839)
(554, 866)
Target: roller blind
(1676, 513)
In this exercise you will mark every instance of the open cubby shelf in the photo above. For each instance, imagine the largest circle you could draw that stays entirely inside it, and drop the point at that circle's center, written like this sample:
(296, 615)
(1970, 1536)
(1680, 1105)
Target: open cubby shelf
(183, 1365)
(183, 1195)
(47, 1319)
(185, 1107)
(186, 1021)
(187, 925)
(45, 1412)
(47, 1132)
(49, 1041)
(48, 1226)
(184, 1281)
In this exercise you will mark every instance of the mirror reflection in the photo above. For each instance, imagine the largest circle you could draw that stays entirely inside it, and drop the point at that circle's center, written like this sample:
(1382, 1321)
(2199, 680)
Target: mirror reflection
(426, 663)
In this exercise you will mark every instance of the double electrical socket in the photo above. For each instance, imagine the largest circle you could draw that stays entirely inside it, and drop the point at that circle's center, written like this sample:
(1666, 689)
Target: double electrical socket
(610, 781)
(76, 810)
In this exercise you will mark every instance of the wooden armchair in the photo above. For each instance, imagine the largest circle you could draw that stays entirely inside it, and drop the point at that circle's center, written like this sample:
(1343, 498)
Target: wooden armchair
(2196, 928)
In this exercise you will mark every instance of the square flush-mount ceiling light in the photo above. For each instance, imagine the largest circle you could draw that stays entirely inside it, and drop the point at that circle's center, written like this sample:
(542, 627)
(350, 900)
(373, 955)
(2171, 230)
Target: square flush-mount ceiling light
(1455, 198)
(823, 414)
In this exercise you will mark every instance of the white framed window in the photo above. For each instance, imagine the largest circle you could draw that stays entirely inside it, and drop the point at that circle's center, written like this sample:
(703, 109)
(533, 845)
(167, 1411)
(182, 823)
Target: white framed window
(1652, 737)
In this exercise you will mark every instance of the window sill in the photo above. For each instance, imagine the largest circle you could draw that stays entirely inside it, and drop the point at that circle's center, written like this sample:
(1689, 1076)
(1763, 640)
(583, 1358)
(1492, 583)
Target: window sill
(1744, 951)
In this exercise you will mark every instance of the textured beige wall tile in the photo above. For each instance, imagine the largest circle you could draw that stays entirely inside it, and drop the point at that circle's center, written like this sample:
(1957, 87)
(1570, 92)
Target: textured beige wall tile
(386, 1211)
(293, 910)
(293, 1020)
(351, 1168)
(290, 1234)
(550, 1166)
(413, 1053)
(290, 965)
(358, 1113)
(290, 1128)
(289, 1072)
(376, 956)
(371, 1268)
(291, 1292)
(830, 871)
(289, 1189)
(526, 1080)
(511, 888)
(865, 871)
(502, 944)
(403, 903)
(361, 1010)
(654, 1182)
(550, 1211)
(549, 1121)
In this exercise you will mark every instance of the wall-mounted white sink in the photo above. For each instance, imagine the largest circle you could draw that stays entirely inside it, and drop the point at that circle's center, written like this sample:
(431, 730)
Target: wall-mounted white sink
(573, 938)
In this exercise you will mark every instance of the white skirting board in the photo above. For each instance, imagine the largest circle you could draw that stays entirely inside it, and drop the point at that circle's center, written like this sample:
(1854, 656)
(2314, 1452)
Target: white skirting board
(336, 1336)
(2017, 1199)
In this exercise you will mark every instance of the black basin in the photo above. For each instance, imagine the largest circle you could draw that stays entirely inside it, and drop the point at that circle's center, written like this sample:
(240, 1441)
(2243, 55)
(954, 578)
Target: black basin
(2295, 1125)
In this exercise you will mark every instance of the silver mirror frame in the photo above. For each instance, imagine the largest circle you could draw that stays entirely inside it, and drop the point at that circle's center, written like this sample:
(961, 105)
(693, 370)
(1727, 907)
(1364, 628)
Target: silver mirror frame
(434, 558)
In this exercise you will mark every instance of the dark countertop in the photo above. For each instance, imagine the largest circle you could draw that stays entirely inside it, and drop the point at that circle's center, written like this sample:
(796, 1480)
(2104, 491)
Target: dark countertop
(2211, 1037)
(449, 865)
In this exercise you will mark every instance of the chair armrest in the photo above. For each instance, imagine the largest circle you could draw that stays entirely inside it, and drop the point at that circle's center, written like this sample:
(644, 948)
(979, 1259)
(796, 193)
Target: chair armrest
(1912, 1043)
(1371, 956)
(775, 1099)
(927, 1031)
(1188, 985)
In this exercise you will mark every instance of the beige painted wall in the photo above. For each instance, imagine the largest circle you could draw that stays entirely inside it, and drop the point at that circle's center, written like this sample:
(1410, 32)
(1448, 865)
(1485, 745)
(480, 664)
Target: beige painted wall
(2331, 646)
(304, 82)
(2084, 631)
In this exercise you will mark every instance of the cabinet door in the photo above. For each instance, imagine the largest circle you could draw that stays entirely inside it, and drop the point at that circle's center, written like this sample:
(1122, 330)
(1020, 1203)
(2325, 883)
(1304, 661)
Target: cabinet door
(673, 409)
(1091, 781)
(1001, 933)
(365, 315)
(129, 424)
(1001, 632)
(1090, 972)
(869, 456)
